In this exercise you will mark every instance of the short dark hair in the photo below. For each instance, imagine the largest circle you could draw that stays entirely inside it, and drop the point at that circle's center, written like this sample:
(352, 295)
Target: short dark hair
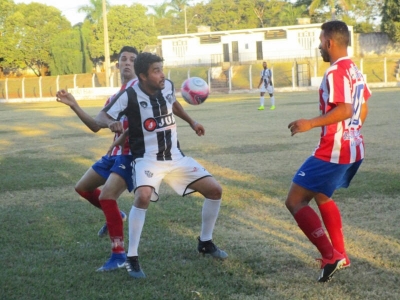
(127, 49)
(338, 31)
(143, 62)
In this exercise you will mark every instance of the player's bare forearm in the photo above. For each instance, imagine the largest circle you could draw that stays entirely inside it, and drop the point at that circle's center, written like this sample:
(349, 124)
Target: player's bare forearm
(86, 119)
(105, 121)
(68, 99)
(340, 113)
(178, 110)
(364, 112)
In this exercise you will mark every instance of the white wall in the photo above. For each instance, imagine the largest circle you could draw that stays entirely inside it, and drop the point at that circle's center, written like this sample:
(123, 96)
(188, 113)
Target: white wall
(291, 47)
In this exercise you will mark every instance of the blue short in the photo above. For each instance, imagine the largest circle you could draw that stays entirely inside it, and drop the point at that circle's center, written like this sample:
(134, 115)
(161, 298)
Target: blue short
(324, 177)
(119, 164)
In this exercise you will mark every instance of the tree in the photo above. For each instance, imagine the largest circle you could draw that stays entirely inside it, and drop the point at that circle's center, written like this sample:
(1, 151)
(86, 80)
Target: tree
(69, 53)
(343, 4)
(290, 14)
(126, 26)
(391, 19)
(94, 11)
(29, 31)
(160, 11)
(179, 5)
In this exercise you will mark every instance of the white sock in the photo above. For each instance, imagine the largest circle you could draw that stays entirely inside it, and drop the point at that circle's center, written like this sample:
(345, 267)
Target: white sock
(136, 222)
(209, 216)
(273, 101)
(262, 101)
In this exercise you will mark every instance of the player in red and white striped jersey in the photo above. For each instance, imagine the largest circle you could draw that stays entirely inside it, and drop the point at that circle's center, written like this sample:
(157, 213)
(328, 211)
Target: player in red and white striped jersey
(113, 171)
(343, 96)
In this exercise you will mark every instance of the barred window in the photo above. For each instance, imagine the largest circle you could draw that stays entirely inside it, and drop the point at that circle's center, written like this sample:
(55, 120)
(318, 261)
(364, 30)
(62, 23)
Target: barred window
(179, 48)
(305, 39)
(210, 39)
(275, 34)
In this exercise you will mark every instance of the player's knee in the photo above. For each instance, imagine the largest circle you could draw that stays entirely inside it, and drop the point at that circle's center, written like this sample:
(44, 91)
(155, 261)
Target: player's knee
(142, 197)
(215, 193)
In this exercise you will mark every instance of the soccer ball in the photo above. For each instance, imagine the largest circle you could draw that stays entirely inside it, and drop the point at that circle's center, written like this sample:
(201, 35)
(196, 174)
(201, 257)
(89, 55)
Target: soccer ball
(195, 90)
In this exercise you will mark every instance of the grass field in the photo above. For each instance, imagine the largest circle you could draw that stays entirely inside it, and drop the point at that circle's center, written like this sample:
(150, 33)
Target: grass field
(49, 243)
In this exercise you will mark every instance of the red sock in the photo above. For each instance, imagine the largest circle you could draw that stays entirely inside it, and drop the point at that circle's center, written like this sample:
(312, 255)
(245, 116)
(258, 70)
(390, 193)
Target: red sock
(92, 196)
(333, 223)
(311, 225)
(114, 224)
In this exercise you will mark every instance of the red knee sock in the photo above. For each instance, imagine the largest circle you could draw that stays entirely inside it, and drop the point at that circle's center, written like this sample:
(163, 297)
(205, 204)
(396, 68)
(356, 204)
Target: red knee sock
(309, 222)
(333, 223)
(92, 196)
(114, 224)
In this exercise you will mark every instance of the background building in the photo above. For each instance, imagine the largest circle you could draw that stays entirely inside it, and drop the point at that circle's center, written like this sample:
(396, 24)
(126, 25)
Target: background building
(243, 46)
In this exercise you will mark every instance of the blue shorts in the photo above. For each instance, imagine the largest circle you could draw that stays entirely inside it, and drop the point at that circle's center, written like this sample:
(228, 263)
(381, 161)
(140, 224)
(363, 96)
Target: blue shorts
(119, 164)
(324, 177)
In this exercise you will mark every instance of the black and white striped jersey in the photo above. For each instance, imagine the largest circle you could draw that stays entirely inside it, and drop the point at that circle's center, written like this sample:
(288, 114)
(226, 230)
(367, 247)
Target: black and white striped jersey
(152, 126)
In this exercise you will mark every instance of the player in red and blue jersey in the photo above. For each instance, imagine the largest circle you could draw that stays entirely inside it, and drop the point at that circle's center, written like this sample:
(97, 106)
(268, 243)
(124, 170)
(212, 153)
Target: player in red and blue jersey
(113, 170)
(343, 96)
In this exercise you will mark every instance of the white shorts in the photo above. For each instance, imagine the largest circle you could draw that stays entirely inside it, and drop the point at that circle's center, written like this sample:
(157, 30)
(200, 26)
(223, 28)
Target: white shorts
(178, 174)
(269, 89)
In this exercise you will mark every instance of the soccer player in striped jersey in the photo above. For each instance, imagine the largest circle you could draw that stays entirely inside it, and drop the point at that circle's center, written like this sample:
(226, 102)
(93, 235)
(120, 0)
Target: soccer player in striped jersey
(266, 86)
(343, 96)
(113, 171)
(151, 108)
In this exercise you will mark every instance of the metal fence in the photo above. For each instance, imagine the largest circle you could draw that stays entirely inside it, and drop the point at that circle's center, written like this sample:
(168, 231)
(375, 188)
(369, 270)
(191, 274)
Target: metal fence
(223, 77)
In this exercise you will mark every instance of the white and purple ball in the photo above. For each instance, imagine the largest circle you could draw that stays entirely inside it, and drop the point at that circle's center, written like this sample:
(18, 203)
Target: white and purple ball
(195, 90)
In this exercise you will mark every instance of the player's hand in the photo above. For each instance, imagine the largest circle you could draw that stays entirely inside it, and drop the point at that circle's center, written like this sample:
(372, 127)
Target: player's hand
(198, 128)
(301, 125)
(64, 97)
(116, 126)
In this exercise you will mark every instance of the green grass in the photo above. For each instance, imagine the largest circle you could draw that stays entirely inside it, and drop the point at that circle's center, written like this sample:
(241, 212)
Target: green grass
(49, 243)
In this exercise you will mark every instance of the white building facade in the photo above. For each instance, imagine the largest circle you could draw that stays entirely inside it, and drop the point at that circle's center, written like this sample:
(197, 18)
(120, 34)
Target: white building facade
(243, 46)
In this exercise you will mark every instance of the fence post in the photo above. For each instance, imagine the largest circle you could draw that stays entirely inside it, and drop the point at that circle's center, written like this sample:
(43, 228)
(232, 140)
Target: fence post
(293, 78)
(58, 83)
(209, 79)
(23, 87)
(230, 78)
(93, 80)
(250, 78)
(6, 88)
(384, 69)
(40, 87)
(188, 73)
(75, 81)
(169, 74)
(362, 65)
(315, 70)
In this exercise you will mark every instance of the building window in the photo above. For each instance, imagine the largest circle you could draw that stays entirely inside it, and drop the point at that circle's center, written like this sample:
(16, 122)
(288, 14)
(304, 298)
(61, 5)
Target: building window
(305, 39)
(179, 48)
(210, 39)
(275, 34)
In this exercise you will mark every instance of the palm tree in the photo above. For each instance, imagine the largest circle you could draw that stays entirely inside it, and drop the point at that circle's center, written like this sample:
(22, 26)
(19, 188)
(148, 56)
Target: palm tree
(94, 11)
(290, 14)
(160, 11)
(344, 4)
(178, 5)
